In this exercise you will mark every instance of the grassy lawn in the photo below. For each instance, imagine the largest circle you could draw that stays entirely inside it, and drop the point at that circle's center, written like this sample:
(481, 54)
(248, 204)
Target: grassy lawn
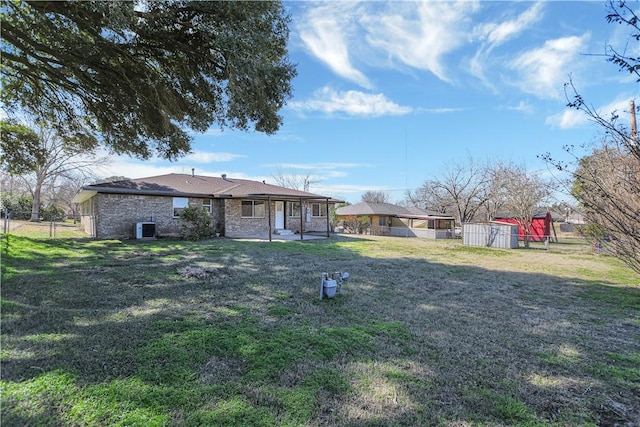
(232, 333)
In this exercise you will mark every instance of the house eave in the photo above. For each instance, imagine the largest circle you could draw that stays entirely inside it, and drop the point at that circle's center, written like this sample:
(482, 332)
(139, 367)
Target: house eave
(292, 198)
(89, 191)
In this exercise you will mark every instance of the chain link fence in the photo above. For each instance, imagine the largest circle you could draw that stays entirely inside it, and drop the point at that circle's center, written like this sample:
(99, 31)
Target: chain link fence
(14, 220)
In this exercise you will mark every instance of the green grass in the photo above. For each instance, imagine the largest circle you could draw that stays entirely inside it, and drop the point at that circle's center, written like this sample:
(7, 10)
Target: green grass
(232, 333)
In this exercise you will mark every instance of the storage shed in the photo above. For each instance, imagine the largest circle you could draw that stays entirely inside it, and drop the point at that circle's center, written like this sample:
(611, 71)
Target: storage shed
(491, 234)
(541, 223)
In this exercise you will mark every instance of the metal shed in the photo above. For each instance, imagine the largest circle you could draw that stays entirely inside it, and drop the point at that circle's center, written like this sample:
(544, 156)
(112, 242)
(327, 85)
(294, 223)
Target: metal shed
(491, 234)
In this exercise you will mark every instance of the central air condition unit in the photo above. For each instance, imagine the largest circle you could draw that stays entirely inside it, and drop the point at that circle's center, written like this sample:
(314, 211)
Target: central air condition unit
(145, 230)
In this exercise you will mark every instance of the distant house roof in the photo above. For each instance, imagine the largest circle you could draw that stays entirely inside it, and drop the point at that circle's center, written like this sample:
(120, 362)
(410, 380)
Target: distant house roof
(184, 185)
(387, 209)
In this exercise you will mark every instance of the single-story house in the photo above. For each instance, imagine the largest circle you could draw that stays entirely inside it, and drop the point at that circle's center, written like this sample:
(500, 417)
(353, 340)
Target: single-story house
(394, 220)
(541, 225)
(151, 207)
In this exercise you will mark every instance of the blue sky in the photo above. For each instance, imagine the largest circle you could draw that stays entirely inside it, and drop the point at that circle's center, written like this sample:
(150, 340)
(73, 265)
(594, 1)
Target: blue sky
(389, 93)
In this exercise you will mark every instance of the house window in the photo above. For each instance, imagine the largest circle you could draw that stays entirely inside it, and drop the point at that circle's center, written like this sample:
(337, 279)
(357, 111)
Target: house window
(294, 209)
(253, 209)
(206, 205)
(317, 211)
(179, 203)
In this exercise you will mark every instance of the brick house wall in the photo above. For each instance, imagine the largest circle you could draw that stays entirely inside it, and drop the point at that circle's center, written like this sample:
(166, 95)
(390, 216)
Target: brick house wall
(238, 226)
(113, 216)
(318, 224)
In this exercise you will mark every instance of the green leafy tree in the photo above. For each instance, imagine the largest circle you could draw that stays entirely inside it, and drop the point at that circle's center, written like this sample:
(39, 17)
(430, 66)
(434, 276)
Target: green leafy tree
(16, 206)
(140, 76)
(21, 149)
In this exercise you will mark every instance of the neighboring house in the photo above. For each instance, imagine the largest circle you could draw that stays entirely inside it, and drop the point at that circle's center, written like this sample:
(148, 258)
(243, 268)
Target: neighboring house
(238, 207)
(394, 220)
(541, 225)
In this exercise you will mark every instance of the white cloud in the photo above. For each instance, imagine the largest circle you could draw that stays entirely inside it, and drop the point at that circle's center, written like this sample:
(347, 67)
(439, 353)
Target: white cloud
(420, 34)
(440, 110)
(321, 166)
(350, 35)
(567, 119)
(353, 103)
(542, 71)
(323, 31)
(492, 35)
(572, 118)
(210, 157)
(499, 33)
(522, 106)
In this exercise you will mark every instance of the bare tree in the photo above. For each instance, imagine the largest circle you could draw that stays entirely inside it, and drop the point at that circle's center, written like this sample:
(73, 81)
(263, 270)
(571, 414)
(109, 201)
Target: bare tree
(462, 189)
(62, 190)
(521, 193)
(375, 197)
(606, 181)
(48, 159)
(606, 184)
(293, 180)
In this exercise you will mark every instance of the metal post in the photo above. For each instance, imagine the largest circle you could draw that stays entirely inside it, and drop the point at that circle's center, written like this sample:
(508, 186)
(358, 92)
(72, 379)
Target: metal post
(301, 221)
(269, 213)
(328, 221)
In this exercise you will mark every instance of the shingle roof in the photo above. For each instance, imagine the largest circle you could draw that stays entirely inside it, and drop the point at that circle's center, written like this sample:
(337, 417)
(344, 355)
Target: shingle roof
(194, 185)
(387, 209)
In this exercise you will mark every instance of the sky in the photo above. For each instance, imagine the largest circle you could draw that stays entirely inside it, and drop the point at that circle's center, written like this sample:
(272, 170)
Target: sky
(391, 94)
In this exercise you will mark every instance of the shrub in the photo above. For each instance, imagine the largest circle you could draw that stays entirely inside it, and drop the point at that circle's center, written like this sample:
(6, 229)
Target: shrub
(52, 212)
(196, 223)
(19, 207)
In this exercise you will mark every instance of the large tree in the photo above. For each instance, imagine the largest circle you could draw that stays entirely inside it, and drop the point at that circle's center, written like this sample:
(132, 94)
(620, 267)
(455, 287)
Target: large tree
(607, 185)
(375, 197)
(142, 75)
(521, 194)
(606, 180)
(40, 156)
(461, 189)
(291, 179)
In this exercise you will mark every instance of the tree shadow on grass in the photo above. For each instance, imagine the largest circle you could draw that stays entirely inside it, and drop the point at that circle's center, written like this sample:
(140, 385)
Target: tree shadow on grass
(116, 332)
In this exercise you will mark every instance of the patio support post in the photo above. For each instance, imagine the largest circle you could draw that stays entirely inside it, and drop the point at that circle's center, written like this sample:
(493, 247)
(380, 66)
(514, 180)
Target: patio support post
(269, 214)
(328, 222)
(301, 220)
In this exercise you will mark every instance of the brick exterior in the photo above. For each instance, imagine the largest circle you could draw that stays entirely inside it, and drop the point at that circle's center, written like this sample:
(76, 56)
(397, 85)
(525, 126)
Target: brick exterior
(238, 226)
(113, 216)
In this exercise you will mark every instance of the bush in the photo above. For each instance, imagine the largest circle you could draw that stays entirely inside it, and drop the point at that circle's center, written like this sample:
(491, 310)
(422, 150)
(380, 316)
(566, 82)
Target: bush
(52, 213)
(196, 223)
(19, 207)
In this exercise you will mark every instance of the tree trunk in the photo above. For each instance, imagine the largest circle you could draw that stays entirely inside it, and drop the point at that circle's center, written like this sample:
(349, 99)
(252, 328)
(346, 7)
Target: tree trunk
(35, 210)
